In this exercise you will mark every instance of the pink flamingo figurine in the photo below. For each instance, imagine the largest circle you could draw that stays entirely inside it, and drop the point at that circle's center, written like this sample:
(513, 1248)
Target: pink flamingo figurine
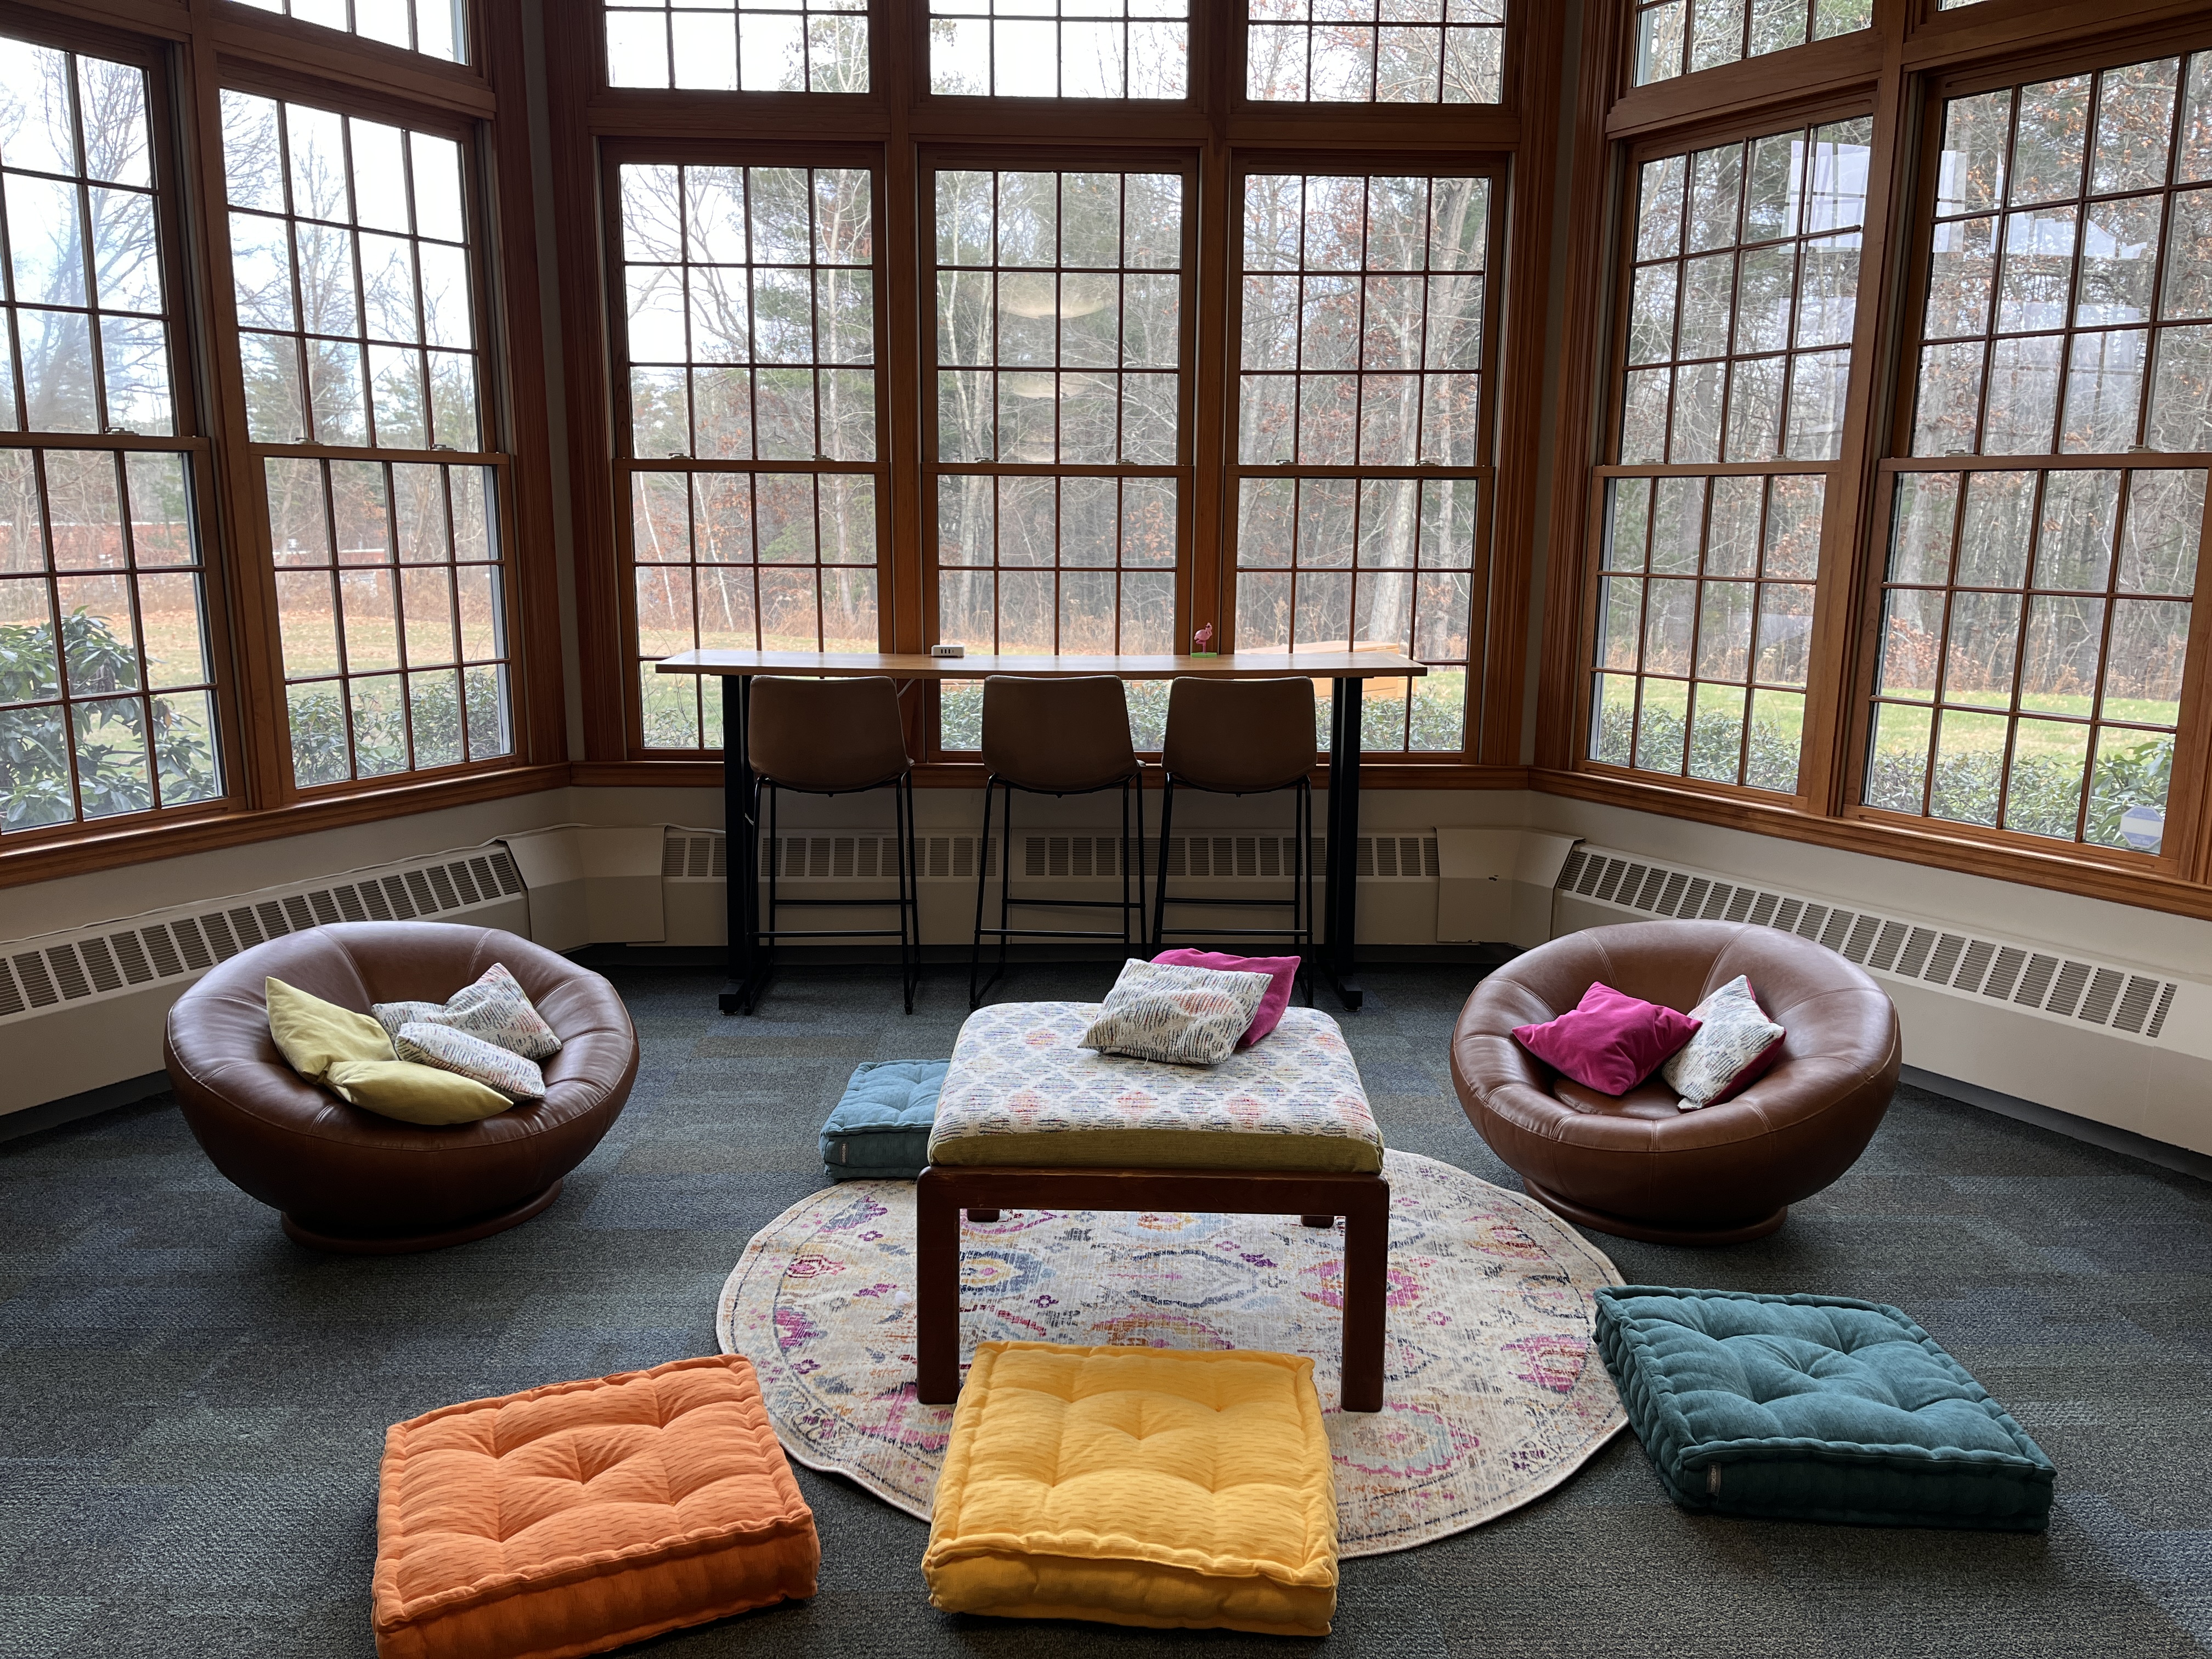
(1201, 643)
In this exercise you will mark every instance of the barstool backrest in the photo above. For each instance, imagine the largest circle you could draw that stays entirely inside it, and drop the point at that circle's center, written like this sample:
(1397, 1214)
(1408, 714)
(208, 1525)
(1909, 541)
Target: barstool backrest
(1239, 735)
(826, 734)
(1065, 736)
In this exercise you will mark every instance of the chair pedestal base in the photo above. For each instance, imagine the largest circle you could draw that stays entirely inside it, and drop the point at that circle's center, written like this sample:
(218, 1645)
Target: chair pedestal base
(409, 1244)
(1650, 1232)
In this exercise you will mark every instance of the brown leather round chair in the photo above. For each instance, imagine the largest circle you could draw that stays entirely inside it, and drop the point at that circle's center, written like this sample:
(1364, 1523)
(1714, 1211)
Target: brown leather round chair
(348, 1180)
(1636, 1164)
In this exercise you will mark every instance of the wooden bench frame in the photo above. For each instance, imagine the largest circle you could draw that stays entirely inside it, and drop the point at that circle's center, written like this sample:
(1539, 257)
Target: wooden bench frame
(944, 1190)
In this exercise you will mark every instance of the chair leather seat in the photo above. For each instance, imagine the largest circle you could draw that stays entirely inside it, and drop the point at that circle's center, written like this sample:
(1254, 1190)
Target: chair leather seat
(1639, 1165)
(339, 1172)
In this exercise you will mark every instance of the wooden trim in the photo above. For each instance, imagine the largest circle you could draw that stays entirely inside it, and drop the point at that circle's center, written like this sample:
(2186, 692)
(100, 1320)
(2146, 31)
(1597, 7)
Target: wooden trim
(1782, 79)
(145, 842)
(572, 70)
(521, 387)
(1593, 207)
(248, 36)
(1517, 396)
(170, 20)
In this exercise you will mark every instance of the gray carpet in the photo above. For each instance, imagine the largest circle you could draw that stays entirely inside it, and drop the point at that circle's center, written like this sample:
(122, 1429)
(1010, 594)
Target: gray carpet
(191, 1408)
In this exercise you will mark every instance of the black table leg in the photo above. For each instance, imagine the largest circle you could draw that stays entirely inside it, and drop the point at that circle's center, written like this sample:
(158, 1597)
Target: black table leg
(1340, 889)
(748, 964)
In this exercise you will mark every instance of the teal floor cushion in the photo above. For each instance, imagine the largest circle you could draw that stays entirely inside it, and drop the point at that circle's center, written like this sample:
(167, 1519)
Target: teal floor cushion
(880, 1130)
(1814, 1408)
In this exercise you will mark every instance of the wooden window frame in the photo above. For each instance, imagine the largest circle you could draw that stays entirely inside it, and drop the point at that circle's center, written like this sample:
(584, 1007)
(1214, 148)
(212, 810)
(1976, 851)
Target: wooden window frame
(627, 466)
(901, 118)
(1904, 65)
(194, 51)
(1486, 469)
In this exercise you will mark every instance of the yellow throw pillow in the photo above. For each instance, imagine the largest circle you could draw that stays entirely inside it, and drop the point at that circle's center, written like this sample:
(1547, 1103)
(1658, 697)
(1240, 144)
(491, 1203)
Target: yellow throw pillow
(413, 1093)
(350, 1054)
(314, 1034)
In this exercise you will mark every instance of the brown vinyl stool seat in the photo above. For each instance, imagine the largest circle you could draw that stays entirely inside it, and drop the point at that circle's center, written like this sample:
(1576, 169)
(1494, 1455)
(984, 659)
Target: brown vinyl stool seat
(347, 1180)
(1637, 1165)
(835, 737)
(1241, 737)
(1066, 736)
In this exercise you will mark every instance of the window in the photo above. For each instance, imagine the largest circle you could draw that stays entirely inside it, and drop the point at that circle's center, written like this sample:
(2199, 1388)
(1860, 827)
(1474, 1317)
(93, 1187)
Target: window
(437, 29)
(2036, 618)
(1741, 300)
(1678, 37)
(1361, 462)
(350, 245)
(750, 46)
(1345, 51)
(1060, 472)
(753, 479)
(1061, 48)
(106, 678)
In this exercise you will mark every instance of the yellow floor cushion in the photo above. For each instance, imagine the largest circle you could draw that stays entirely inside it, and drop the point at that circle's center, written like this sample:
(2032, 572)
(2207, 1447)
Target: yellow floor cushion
(1137, 1486)
(585, 1516)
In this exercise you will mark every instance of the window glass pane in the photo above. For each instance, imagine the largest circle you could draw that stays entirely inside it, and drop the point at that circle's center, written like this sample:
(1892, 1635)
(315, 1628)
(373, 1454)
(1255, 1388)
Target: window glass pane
(437, 29)
(107, 670)
(354, 286)
(1677, 37)
(1058, 477)
(749, 323)
(2054, 668)
(1744, 298)
(750, 46)
(1061, 48)
(1422, 52)
(1364, 302)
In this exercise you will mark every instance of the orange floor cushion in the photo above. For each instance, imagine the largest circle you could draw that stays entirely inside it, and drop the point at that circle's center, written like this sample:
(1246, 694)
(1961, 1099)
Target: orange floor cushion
(583, 1516)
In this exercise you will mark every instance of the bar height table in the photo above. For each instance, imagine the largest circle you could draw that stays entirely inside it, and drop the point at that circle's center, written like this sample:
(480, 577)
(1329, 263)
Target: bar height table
(1348, 670)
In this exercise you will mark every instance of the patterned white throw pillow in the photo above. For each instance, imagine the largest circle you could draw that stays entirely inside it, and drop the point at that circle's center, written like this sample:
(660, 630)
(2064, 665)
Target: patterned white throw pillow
(1734, 1043)
(494, 1008)
(1184, 1016)
(452, 1050)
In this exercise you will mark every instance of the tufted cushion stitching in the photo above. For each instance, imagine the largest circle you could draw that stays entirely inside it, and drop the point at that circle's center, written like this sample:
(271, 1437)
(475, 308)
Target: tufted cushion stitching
(1632, 1322)
(676, 1540)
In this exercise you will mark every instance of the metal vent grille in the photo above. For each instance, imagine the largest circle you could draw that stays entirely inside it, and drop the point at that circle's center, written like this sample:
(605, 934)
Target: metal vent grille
(2018, 975)
(702, 855)
(110, 961)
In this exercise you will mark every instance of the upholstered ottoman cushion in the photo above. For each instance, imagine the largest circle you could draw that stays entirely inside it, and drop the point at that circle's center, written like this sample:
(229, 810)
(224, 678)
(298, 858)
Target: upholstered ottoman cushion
(1814, 1408)
(1161, 1487)
(1022, 1089)
(880, 1129)
(583, 1516)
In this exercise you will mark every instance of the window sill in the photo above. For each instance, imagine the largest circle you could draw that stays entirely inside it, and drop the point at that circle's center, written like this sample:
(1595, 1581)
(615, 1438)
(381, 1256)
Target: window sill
(144, 841)
(2084, 871)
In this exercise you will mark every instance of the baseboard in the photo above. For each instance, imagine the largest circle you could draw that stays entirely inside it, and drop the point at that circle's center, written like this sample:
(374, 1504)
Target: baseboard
(69, 1107)
(2179, 1159)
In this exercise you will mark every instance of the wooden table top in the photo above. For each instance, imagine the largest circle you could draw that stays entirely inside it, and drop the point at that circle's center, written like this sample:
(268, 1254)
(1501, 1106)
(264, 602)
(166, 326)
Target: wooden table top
(1241, 664)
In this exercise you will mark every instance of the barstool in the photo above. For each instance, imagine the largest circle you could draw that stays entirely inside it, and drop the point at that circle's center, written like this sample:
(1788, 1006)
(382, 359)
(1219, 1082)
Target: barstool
(1240, 737)
(836, 738)
(1055, 737)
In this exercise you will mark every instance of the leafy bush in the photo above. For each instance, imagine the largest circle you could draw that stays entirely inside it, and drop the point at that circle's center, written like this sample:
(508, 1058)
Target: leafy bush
(1772, 762)
(111, 734)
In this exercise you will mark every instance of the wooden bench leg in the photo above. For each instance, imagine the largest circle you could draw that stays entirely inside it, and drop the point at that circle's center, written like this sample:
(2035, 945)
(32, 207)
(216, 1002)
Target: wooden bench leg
(1317, 1221)
(937, 1294)
(1366, 1291)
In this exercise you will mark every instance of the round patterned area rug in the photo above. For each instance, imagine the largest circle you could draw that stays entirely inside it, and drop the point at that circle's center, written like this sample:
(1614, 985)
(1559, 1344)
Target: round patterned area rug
(1496, 1391)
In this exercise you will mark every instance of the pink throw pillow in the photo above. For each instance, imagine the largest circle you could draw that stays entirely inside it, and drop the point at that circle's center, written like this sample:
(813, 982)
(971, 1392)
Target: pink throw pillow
(1283, 972)
(1608, 1041)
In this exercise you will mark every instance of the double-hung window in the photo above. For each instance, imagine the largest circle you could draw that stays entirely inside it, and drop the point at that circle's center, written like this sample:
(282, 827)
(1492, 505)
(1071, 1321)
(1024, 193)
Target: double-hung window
(355, 289)
(2046, 517)
(108, 702)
